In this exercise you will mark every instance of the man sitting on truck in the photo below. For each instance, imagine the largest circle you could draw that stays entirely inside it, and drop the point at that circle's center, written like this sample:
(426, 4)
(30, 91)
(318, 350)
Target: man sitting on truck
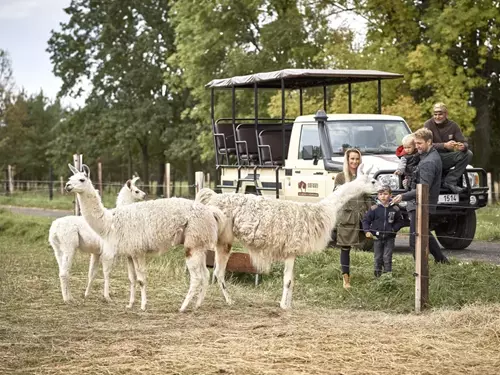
(451, 145)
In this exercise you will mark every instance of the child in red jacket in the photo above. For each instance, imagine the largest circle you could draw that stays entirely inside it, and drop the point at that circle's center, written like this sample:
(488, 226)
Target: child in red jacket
(408, 161)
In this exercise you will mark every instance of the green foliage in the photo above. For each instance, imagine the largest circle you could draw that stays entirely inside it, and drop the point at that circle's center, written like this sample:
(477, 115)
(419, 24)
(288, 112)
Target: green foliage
(449, 52)
(121, 48)
(25, 138)
(146, 64)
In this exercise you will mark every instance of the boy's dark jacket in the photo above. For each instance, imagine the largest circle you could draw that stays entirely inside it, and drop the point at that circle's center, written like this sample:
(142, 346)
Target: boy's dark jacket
(377, 220)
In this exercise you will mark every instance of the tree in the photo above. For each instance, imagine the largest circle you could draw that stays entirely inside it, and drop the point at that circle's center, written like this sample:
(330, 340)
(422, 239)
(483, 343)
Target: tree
(6, 82)
(217, 39)
(121, 49)
(451, 54)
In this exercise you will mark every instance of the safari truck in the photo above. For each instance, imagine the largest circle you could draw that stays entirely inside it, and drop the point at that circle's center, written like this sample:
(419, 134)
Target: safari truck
(297, 159)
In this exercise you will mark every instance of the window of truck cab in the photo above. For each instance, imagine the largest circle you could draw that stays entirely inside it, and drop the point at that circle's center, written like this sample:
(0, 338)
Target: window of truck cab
(309, 145)
(369, 136)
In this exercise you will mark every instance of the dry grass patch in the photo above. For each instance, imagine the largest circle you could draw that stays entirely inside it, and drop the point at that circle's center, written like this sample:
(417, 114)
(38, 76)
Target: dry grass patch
(41, 335)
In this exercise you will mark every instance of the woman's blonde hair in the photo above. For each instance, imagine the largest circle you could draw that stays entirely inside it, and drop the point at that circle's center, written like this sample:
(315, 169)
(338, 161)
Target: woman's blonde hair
(347, 172)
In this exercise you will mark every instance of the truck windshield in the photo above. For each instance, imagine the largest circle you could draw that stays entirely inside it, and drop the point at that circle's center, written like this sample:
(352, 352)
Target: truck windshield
(370, 136)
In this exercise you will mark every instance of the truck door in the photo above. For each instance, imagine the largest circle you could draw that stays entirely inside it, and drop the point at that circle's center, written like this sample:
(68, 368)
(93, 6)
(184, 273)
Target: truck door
(308, 182)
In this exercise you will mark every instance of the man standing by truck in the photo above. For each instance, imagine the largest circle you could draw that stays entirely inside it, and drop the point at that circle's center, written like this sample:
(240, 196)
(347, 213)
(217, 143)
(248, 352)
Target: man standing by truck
(428, 172)
(451, 145)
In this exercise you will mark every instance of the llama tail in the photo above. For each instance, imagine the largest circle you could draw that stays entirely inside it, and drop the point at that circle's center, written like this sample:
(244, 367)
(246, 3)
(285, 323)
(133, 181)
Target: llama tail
(224, 230)
(204, 195)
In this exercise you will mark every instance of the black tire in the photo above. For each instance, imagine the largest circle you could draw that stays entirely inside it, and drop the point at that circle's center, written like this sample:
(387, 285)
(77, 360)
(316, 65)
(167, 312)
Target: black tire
(457, 233)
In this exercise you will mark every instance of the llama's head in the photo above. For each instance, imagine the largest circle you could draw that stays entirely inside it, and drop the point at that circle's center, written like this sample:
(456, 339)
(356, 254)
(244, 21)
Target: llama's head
(364, 182)
(80, 181)
(136, 193)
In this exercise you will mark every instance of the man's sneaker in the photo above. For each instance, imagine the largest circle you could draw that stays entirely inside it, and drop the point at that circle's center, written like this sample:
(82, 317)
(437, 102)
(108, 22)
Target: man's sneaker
(443, 261)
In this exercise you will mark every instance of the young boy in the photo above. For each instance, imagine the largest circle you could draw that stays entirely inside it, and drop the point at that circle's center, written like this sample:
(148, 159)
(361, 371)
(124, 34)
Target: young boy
(408, 161)
(383, 221)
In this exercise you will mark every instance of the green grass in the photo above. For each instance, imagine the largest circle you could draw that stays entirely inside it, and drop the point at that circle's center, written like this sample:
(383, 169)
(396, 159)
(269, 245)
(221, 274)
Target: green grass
(488, 223)
(40, 198)
(488, 218)
(24, 247)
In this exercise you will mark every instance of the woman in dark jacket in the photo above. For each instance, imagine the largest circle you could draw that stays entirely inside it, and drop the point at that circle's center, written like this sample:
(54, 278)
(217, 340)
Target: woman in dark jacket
(349, 218)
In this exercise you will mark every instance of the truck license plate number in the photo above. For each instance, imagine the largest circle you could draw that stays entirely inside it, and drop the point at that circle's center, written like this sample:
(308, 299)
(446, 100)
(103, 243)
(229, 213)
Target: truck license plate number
(448, 198)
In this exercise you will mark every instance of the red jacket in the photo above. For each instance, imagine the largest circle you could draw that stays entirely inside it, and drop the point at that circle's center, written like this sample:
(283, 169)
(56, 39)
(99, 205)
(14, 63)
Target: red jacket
(400, 151)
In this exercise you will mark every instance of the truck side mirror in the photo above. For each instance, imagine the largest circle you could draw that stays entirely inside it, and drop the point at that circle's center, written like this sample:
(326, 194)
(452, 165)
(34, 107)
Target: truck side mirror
(316, 155)
(307, 152)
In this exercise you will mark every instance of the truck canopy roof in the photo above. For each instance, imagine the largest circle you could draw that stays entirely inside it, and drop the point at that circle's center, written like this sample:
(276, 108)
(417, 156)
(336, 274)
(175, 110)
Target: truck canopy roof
(302, 78)
(349, 116)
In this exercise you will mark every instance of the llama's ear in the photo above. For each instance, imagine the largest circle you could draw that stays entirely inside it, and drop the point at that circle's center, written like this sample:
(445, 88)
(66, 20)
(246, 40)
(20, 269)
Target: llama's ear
(86, 170)
(369, 170)
(135, 179)
(360, 169)
(73, 169)
(129, 184)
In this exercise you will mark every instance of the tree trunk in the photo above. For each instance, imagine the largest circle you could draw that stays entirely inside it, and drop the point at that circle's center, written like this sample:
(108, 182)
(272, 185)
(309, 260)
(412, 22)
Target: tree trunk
(129, 162)
(172, 178)
(482, 132)
(161, 178)
(145, 165)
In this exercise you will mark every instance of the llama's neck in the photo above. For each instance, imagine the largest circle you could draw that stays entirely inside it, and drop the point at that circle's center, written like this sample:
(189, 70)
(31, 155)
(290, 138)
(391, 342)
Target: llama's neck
(343, 194)
(96, 215)
(124, 197)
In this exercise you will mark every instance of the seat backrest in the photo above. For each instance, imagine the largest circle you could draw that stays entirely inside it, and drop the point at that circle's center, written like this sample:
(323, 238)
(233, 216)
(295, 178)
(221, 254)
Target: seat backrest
(225, 128)
(273, 138)
(246, 132)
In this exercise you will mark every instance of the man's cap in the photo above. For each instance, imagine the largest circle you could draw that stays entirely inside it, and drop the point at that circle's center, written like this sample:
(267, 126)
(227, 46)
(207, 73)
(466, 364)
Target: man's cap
(440, 107)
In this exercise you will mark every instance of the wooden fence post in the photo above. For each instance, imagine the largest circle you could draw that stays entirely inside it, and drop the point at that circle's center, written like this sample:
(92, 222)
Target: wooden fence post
(495, 186)
(199, 180)
(62, 184)
(7, 181)
(490, 188)
(167, 180)
(10, 178)
(422, 249)
(51, 184)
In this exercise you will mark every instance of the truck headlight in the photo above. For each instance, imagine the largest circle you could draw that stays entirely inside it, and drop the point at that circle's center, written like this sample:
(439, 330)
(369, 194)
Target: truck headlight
(391, 180)
(473, 179)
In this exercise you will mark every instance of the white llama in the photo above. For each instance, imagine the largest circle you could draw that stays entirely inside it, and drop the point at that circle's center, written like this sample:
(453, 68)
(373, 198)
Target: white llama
(69, 233)
(151, 227)
(280, 230)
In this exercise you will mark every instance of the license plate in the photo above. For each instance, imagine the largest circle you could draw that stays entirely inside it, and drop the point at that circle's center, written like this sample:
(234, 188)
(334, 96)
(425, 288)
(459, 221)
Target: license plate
(448, 198)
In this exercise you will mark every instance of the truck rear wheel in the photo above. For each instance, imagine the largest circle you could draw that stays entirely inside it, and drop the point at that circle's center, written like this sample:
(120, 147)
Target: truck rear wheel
(458, 232)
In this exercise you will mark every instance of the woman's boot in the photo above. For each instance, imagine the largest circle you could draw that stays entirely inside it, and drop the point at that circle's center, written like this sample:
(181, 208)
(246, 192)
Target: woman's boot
(347, 281)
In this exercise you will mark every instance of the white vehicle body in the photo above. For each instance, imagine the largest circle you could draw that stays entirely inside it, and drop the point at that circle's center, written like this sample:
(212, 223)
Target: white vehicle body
(304, 179)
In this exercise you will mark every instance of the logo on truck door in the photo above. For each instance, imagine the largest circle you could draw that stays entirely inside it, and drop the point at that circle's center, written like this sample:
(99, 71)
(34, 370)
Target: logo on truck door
(303, 187)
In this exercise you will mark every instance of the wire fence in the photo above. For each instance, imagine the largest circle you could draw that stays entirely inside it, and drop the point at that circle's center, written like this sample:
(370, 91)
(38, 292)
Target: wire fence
(50, 189)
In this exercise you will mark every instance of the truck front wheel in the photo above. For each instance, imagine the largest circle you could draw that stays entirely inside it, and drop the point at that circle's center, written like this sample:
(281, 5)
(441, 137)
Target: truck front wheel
(458, 231)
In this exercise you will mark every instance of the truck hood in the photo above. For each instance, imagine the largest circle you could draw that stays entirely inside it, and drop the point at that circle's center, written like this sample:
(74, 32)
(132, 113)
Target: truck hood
(379, 162)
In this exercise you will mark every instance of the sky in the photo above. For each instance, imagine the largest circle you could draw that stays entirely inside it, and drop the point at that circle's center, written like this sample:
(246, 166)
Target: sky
(25, 27)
